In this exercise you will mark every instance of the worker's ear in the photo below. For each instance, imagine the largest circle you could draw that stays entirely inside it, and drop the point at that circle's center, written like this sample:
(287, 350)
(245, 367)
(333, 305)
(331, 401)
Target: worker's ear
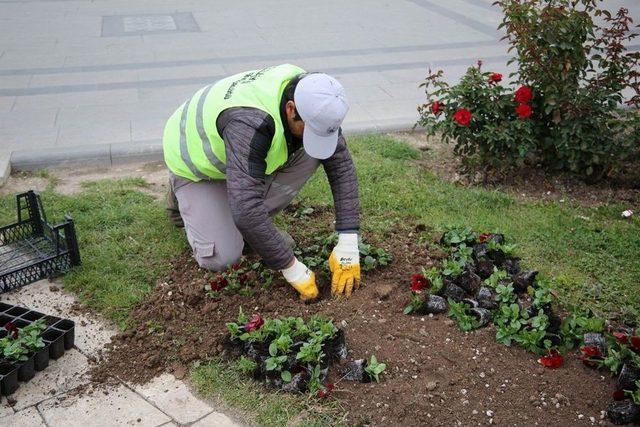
(290, 108)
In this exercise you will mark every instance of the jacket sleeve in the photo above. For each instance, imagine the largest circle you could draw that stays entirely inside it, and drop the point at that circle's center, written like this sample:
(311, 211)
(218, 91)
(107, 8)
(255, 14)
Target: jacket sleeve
(343, 180)
(247, 134)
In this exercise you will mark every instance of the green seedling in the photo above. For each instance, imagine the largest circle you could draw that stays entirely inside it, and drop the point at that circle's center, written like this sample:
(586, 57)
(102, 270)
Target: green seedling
(375, 368)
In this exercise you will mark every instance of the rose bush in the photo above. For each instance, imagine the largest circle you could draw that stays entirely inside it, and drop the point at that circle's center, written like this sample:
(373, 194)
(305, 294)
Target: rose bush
(574, 76)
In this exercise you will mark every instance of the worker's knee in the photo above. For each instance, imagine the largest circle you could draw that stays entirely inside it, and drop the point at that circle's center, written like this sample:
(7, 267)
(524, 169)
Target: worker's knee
(212, 258)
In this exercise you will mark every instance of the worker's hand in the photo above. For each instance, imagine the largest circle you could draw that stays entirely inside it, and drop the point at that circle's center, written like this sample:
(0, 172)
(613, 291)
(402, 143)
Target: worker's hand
(344, 263)
(302, 279)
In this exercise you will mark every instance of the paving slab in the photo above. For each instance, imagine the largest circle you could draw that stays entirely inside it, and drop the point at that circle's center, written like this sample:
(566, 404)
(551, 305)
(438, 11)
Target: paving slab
(174, 398)
(25, 418)
(62, 375)
(115, 407)
(215, 419)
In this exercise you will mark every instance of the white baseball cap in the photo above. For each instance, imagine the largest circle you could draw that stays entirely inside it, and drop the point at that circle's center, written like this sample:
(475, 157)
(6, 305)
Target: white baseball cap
(322, 105)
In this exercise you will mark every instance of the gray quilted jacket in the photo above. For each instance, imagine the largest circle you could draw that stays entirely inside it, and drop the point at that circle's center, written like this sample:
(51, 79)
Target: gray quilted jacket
(247, 133)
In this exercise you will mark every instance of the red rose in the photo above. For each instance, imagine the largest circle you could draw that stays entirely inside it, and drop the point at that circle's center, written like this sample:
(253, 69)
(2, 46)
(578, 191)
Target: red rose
(418, 283)
(523, 111)
(254, 323)
(523, 95)
(553, 361)
(495, 78)
(635, 342)
(483, 237)
(462, 117)
(436, 107)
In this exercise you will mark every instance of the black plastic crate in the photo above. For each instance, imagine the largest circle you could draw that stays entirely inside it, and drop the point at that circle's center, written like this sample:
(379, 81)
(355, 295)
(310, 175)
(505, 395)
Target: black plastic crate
(58, 337)
(31, 249)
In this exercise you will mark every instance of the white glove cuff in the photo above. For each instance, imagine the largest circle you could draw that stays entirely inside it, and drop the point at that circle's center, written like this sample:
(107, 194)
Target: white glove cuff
(297, 273)
(348, 242)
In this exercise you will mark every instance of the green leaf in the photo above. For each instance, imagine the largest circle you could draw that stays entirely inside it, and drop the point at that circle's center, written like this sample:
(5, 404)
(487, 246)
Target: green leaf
(286, 376)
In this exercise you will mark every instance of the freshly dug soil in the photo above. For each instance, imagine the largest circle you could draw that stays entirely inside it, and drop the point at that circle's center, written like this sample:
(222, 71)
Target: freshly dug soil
(435, 373)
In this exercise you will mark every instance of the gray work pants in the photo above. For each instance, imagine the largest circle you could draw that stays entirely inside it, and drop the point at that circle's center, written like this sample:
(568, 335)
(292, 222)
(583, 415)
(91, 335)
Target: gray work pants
(204, 208)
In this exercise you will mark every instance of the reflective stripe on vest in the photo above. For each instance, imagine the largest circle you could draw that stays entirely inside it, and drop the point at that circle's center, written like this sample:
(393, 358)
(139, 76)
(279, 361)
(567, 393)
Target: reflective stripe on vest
(206, 143)
(184, 150)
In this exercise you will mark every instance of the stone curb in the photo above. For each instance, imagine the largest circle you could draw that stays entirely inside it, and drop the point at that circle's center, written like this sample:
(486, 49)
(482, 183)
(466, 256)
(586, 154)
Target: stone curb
(5, 166)
(113, 154)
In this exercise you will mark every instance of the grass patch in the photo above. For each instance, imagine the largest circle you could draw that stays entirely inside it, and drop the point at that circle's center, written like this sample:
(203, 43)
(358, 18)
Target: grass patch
(125, 242)
(269, 409)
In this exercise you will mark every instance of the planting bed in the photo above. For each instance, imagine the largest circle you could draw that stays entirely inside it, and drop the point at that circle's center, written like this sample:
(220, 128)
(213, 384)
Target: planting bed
(435, 373)
(56, 334)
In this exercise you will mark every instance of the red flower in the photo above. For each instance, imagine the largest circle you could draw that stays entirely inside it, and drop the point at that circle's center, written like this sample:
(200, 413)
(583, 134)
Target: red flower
(418, 283)
(619, 395)
(254, 323)
(635, 342)
(523, 95)
(436, 107)
(495, 78)
(479, 63)
(236, 267)
(9, 326)
(590, 351)
(326, 392)
(621, 337)
(218, 284)
(553, 361)
(483, 237)
(524, 111)
(462, 117)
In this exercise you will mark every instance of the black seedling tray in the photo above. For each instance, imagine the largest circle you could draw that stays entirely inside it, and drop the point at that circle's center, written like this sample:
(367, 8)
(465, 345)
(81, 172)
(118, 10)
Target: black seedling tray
(58, 337)
(31, 249)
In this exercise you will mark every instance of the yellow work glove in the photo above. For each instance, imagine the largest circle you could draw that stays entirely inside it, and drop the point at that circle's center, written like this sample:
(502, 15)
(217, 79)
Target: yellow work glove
(302, 279)
(344, 263)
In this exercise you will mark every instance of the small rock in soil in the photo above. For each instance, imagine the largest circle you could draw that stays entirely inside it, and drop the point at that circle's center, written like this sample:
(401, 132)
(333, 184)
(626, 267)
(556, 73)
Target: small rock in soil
(179, 372)
(486, 298)
(432, 385)
(54, 288)
(383, 291)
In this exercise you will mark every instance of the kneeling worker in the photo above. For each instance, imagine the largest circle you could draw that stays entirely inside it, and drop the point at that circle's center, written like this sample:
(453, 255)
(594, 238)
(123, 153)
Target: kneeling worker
(241, 149)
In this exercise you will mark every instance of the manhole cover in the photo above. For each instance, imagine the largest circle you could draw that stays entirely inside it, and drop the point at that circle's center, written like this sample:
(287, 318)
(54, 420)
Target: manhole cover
(130, 25)
(149, 23)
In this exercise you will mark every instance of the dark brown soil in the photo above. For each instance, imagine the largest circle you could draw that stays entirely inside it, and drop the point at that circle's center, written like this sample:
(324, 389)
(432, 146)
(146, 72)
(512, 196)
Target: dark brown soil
(435, 374)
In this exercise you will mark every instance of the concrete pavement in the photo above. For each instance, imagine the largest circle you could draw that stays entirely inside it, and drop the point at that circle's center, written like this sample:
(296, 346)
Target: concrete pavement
(97, 79)
(57, 396)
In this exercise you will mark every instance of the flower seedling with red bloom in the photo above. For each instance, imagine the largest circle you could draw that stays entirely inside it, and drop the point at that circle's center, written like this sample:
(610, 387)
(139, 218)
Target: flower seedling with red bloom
(619, 395)
(462, 117)
(254, 323)
(621, 337)
(483, 237)
(495, 78)
(219, 283)
(419, 283)
(436, 107)
(590, 352)
(11, 328)
(325, 392)
(524, 111)
(553, 360)
(523, 95)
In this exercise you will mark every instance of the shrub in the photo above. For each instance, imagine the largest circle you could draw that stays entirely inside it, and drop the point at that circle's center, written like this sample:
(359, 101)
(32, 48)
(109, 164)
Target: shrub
(573, 73)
